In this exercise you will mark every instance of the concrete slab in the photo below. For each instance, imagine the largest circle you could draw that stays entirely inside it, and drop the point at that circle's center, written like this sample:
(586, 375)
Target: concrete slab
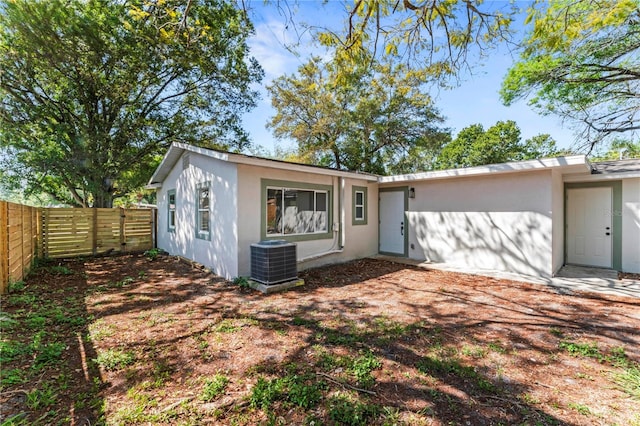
(569, 279)
(273, 288)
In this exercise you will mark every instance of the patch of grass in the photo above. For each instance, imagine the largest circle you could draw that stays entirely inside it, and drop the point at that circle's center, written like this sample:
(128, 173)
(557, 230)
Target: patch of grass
(300, 390)
(226, 326)
(589, 350)
(60, 270)
(15, 286)
(214, 387)
(21, 300)
(474, 351)
(115, 359)
(42, 397)
(580, 408)
(242, 282)
(47, 354)
(629, 381)
(345, 410)
(299, 321)
(14, 376)
(153, 253)
(431, 365)
(124, 282)
(362, 367)
(497, 347)
(100, 329)
(265, 392)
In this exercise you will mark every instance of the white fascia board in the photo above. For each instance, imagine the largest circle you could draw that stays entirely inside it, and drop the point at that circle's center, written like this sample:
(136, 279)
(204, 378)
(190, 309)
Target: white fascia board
(579, 177)
(262, 162)
(519, 166)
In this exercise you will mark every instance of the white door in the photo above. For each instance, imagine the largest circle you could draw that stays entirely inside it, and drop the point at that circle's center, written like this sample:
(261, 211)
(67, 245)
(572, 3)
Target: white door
(392, 223)
(589, 230)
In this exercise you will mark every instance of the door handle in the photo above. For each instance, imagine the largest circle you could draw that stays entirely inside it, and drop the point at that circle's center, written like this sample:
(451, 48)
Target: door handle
(402, 228)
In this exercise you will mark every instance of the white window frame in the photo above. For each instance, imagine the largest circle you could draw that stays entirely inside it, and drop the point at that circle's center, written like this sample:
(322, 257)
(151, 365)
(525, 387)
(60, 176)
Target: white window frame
(171, 227)
(355, 202)
(202, 234)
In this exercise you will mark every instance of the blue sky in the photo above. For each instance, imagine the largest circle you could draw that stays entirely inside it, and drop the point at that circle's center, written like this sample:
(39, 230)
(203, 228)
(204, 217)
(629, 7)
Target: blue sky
(475, 100)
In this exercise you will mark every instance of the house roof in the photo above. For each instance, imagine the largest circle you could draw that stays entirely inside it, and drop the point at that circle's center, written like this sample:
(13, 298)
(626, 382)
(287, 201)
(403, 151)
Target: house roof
(571, 163)
(177, 149)
(617, 166)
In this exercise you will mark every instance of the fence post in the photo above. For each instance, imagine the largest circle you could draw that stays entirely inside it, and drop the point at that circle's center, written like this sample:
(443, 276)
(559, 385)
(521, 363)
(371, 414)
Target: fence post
(123, 240)
(94, 232)
(4, 247)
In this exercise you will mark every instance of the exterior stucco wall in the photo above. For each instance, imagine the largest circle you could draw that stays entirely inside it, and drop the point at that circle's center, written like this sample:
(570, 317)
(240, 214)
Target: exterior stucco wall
(490, 222)
(631, 225)
(221, 252)
(359, 241)
(557, 203)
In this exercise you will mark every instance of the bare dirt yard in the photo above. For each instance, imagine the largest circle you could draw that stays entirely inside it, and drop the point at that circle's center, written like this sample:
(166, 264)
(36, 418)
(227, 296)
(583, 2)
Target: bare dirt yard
(135, 340)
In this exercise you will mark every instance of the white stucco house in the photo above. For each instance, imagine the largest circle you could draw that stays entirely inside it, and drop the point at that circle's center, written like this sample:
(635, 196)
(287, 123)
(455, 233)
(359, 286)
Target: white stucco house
(528, 217)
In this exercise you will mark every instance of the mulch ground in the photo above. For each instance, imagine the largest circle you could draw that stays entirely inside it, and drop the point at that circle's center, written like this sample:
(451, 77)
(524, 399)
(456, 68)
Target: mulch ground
(367, 342)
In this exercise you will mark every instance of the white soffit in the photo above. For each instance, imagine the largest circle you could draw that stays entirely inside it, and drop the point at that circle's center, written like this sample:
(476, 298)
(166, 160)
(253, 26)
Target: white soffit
(575, 163)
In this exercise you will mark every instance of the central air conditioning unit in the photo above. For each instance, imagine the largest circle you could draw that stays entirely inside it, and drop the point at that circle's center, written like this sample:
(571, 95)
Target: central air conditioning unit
(273, 262)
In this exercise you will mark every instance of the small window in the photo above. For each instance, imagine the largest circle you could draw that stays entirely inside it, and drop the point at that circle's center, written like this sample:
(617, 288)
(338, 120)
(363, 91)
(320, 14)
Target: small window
(171, 210)
(203, 204)
(359, 215)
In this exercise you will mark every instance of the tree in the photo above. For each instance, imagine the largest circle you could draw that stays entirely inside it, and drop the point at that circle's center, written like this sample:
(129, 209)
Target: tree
(432, 35)
(93, 91)
(581, 61)
(374, 119)
(619, 149)
(500, 143)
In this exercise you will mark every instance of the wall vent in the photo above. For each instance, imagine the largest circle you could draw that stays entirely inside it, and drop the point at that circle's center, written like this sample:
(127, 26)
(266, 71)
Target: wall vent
(185, 162)
(273, 262)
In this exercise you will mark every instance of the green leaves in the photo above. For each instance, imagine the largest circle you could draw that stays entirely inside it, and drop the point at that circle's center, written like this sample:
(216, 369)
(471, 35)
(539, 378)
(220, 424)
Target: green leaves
(499, 144)
(581, 61)
(92, 92)
(375, 118)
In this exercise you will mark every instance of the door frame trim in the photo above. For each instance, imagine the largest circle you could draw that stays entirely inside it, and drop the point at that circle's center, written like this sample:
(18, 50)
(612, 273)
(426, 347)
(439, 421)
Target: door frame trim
(616, 220)
(405, 191)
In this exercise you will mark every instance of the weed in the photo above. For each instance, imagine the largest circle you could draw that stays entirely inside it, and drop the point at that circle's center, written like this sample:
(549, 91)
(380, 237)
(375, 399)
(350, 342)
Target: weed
(589, 350)
(430, 365)
(115, 359)
(41, 398)
(298, 321)
(36, 322)
(303, 391)
(362, 368)
(99, 329)
(10, 350)
(497, 347)
(629, 381)
(214, 387)
(15, 286)
(556, 332)
(344, 410)
(265, 392)
(60, 270)
(153, 253)
(21, 300)
(242, 282)
(474, 351)
(14, 376)
(226, 326)
(142, 274)
(580, 408)
(49, 353)
(124, 282)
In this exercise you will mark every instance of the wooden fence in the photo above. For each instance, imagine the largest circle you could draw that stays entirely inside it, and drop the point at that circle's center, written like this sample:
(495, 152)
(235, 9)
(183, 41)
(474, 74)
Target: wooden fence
(83, 232)
(26, 232)
(19, 241)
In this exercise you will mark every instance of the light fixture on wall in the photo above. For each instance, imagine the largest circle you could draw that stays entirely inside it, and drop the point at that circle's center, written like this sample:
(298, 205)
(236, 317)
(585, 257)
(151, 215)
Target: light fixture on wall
(412, 193)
